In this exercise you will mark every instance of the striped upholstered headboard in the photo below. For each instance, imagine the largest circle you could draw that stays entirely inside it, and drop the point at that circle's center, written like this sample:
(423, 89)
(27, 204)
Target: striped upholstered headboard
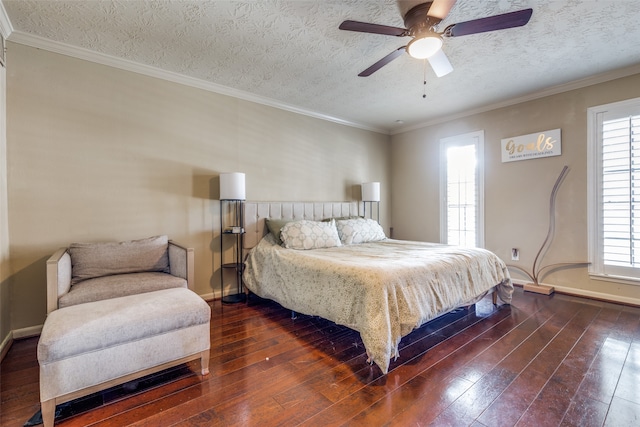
(255, 214)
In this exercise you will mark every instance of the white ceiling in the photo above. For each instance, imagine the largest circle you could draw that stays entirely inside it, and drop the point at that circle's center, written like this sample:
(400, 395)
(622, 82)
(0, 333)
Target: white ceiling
(290, 53)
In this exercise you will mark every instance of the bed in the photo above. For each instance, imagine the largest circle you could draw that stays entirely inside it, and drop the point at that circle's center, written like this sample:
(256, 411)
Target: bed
(384, 288)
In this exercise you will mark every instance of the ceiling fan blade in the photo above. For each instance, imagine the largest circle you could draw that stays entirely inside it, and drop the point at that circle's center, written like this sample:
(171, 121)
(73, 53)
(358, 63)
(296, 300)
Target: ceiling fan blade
(491, 23)
(440, 8)
(440, 63)
(365, 27)
(384, 61)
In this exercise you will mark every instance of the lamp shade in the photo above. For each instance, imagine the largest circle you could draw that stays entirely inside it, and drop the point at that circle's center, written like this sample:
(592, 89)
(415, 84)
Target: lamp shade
(232, 186)
(371, 192)
(440, 63)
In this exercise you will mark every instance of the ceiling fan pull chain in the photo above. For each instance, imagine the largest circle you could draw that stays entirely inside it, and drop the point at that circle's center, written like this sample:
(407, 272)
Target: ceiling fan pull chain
(424, 79)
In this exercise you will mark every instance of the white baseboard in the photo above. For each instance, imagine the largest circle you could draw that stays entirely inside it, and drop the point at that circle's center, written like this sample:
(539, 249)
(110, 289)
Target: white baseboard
(6, 345)
(215, 295)
(591, 294)
(31, 331)
(210, 296)
(598, 295)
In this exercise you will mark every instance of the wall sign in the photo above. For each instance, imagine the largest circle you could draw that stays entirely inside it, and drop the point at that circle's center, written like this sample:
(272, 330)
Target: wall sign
(532, 146)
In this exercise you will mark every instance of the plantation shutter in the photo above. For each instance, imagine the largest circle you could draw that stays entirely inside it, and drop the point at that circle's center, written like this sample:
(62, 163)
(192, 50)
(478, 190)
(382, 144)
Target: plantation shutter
(619, 195)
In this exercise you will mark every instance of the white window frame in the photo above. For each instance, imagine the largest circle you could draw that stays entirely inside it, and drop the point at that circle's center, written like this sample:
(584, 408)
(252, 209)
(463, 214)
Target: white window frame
(476, 138)
(597, 268)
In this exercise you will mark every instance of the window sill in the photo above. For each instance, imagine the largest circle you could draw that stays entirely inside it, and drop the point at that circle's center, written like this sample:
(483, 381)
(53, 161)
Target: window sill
(635, 281)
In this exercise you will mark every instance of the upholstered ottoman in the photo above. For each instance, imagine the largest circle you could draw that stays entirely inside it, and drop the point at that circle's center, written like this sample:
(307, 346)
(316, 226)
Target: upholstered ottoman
(89, 347)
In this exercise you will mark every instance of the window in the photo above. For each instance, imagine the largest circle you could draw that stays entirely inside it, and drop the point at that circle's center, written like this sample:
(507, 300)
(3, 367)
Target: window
(614, 191)
(461, 190)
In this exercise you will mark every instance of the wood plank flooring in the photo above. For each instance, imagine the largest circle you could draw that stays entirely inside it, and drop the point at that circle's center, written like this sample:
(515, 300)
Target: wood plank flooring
(543, 361)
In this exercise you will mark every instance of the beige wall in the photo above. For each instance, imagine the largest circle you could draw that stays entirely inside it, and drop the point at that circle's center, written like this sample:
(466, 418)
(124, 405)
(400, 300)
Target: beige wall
(516, 193)
(96, 153)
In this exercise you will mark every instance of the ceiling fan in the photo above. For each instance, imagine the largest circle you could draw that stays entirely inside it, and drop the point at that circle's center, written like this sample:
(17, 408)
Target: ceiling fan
(426, 43)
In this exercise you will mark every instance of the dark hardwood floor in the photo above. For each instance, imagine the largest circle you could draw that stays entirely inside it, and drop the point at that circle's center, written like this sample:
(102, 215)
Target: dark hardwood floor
(543, 361)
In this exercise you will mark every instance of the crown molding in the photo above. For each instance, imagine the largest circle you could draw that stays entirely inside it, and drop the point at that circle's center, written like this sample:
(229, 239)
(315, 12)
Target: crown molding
(147, 70)
(5, 24)
(553, 90)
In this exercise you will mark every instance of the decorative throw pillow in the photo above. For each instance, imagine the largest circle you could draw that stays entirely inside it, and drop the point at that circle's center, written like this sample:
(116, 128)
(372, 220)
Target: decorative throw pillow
(306, 234)
(360, 230)
(90, 260)
(275, 227)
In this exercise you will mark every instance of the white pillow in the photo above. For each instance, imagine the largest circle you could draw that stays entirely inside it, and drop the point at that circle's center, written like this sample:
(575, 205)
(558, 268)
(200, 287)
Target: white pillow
(359, 230)
(306, 234)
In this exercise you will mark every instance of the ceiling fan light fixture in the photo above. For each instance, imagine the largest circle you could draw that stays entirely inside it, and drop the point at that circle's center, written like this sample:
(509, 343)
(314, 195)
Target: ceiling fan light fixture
(440, 63)
(424, 47)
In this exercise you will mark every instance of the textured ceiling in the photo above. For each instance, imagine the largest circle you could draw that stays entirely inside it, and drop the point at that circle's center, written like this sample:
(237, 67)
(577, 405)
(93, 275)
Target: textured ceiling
(292, 53)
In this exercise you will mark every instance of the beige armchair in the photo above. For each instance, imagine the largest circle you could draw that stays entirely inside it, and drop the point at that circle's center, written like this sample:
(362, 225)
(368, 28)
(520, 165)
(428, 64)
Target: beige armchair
(117, 312)
(101, 276)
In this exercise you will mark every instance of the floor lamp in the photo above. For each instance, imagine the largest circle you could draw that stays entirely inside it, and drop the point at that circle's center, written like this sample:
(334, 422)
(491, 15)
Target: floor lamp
(371, 195)
(232, 197)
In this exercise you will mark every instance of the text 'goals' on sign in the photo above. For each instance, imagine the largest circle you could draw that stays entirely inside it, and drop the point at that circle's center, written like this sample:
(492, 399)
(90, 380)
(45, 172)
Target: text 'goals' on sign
(532, 146)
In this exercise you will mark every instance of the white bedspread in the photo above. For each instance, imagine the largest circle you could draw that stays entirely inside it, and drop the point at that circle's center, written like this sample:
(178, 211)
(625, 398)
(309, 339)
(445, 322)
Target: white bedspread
(383, 290)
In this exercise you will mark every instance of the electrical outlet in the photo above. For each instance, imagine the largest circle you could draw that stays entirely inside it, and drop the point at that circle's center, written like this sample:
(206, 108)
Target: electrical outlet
(515, 254)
